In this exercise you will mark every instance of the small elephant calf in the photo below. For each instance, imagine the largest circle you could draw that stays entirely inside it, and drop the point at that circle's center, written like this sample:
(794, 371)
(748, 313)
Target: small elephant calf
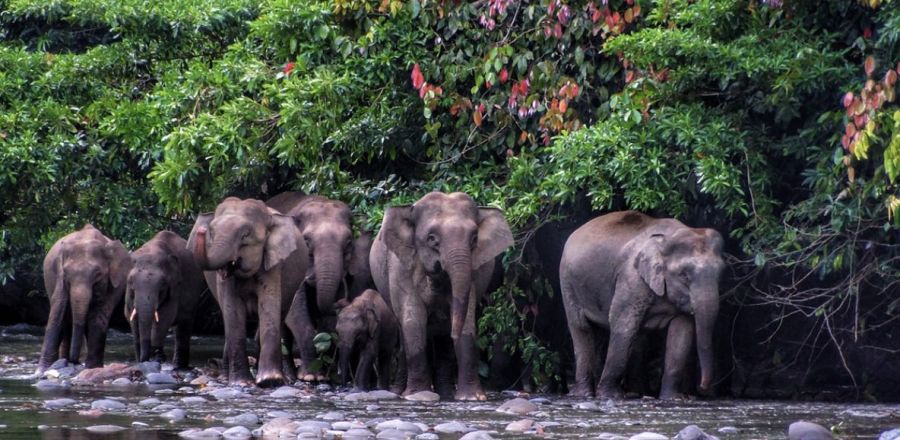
(368, 331)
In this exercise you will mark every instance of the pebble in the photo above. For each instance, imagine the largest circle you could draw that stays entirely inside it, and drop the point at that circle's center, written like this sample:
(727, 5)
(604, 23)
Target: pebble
(59, 363)
(246, 419)
(331, 416)
(371, 408)
(399, 425)
(284, 392)
(201, 380)
(423, 396)
(276, 414)
(163, 407)
(48, 384)
(477, 435)
(648, 436)
(517, 406)
(611, 436)
(122, 381)
(196, 433)
(164, 392)
(160, 379)
(228, 394)
(371, 396)
(140, 425)
(453, 427)
(346, 426)
(237, 432)
(427, 436)
(893, 434)
(520, 425)
(174, 415)
(149, 402)
(105, 429)
(323, 387)
(357, 433)
(107, 404)
(278, 427)
(540, 401)
(590, 406)
(149, 367)
(313, 427)
(804, 430)
(59, 403)
(193, 400)
(728, 430)
(395, 434)
(693, 432)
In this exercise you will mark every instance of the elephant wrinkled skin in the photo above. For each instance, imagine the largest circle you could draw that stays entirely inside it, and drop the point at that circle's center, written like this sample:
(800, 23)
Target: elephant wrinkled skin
(626, 272)
(84, 274)
(163, 289)
(432, 261)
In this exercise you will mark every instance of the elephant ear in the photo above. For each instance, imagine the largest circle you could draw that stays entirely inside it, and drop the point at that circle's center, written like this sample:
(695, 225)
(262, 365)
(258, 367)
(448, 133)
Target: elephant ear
(202, 221)
(119, 263)
(281, 240)
(494, 236)
(371, 324)
(651, 265)
(397, 230)
(174, 268)
(358, 267)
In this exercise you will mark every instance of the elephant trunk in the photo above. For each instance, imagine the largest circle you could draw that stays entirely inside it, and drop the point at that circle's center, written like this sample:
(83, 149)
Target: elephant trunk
(705, 304)
(458, 264)
(214, 256)
(329, 271)
(145, 305)
(80, 300)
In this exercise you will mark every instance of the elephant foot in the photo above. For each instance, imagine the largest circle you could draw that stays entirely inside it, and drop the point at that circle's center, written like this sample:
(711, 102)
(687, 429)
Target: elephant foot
(581, 390)
(476, 394)
(672, 396)
(613, 393)
(270, 380)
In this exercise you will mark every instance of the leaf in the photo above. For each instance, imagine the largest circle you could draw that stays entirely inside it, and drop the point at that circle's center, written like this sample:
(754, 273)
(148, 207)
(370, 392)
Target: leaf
(848, 99)
(870, 65)
(417, 78)
(415, 7)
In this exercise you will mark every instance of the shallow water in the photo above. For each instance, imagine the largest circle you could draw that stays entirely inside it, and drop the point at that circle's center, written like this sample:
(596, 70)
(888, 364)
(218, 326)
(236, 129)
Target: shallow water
(22, 410)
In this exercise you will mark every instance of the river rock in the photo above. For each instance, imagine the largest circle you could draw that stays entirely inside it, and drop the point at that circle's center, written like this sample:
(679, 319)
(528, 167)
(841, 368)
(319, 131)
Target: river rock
(313, 427)
(589, 406)
(693, 432)
(105, 429)
(477, 435)
(59, 363)
(520, 425)
(279, 427)
(423, 396)
(149, 367)
(51, 384)
(102, 374)
(196, 433)
(284, 392)
(648, 436)
(57, 373)
(245, 419)
(893, 434)
(611, 436)
(122, 381)
(108, 405)
(276, 414)
(237, 433)
(161, 379)
(163, 407)
(193, 400)
(59, 403)
(228, 394)
(517, 406)
(371, 396)
(399, 425)
(804, 430)
(174, 415)
(346, 426)
(427, 436)
(395, 434)
(331, 416)
(140, 425)
(357, 434)
(164, 392)
(149, 402)
(200, 380)
(728, 430)
(453, 427)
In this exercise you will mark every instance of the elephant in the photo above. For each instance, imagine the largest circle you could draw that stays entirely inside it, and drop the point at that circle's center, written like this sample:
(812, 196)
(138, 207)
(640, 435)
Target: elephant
(249, 254)
(625, 272)
(163, 289)
(432, 261)
(368, 331)
(85, 276)
(336, 261)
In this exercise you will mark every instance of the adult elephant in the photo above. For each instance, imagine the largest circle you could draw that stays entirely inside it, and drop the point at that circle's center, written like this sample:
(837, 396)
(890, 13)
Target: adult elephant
(434, 259)
(84, 274)
(336, 262)
(249, 254)
(627, 272)
(164, 287)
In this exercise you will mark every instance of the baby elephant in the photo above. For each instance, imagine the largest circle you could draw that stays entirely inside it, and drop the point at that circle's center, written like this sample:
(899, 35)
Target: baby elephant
(367, 329)
(163, 290)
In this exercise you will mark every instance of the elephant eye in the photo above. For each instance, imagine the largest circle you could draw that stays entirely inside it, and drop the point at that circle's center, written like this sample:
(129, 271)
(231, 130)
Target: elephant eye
(685, 275)
(433, 240)
(348, 246)
(473, 241)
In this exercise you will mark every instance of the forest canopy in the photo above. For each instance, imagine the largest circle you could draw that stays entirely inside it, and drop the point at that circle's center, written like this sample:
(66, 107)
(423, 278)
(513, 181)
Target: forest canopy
(775, 122)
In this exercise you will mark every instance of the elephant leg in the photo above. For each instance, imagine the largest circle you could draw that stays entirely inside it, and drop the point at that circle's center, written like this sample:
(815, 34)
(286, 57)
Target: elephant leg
(183, 332)
(65, 341)
(468, 384)
(287, 346)
(678, 347)
(585, 359)
(413, 323)
(96, 341)
(362, 378)
(384, 369)
(300, 325)
(399, 381)
(441, 349)
(269, 306)
(620, 341)
(234, 313)
(636, 378)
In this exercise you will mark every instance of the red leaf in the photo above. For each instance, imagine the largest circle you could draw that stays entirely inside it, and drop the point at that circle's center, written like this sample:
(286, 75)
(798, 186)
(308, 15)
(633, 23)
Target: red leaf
(476, 117)
(629, 76)
(629, 15)
(850, 129)
(288, 68)
(573, 90)
(637, 10)
(557, 31)
(870, 65)
(563, 105)
(418, 79)
(848, 99)
(867, 32)
(504, 75)
(890, 78)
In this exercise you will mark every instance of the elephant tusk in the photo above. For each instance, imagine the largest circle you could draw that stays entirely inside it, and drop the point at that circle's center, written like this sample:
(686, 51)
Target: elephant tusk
(156, 316)
(133, 314)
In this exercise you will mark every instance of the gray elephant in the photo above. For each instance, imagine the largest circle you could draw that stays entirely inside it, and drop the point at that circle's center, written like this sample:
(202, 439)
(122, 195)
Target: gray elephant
(163, 289)
(336, 262)
(367, 332)
(250, 256)
(84, 274)
(433, 260)
(626, 272)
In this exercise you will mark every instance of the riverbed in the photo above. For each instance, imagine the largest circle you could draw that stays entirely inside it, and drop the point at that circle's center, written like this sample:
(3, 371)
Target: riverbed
(24, 415)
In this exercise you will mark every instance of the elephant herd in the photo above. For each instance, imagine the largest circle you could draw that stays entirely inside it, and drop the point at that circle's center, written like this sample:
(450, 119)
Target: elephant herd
(293, 266)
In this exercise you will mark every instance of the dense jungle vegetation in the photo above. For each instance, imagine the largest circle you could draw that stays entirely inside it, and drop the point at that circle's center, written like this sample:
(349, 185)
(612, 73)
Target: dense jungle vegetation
(774, 121)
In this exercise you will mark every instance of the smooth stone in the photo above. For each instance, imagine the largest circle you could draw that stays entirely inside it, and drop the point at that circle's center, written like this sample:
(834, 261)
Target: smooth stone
(187, 390)
(279, 426)
(728, 430)
(371, 396)
(163, 407)
(276, 414)
(59, 403)
(164, 392)
(284, 392)
(453, 427)
(105, 429)
(174, 415)
(423, 396)
(59, 363)
(323, 387)
(56, 373)
(47, 384)
(313, 426)
(804, 430)
(520, 425)
(540, 401)
(331, 416)
(399, 425)
(193, 400)
(122, 381)
(648, 436)
(371, 408)
(346, 426)
(201, 380)
(246, 419)
(477, 435)
(893, 434)
(517, 406)
(228, 394)
(395, 434)
(149, 402)
(427, 436)
(107, 404)
(590, 406)
(357, 433)
(196, 433)
(237, 432)
(140, 425)
(693, 432)
(611, 436)
(149, 367)
(160, 379)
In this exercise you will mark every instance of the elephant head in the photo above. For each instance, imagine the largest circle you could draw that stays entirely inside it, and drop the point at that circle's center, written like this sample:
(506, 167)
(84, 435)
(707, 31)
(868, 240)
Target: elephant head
(357, 328)
(88, 265)
(684, 265)
(154, 278)
(326, 228)
(242, 238)
(448, 234)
